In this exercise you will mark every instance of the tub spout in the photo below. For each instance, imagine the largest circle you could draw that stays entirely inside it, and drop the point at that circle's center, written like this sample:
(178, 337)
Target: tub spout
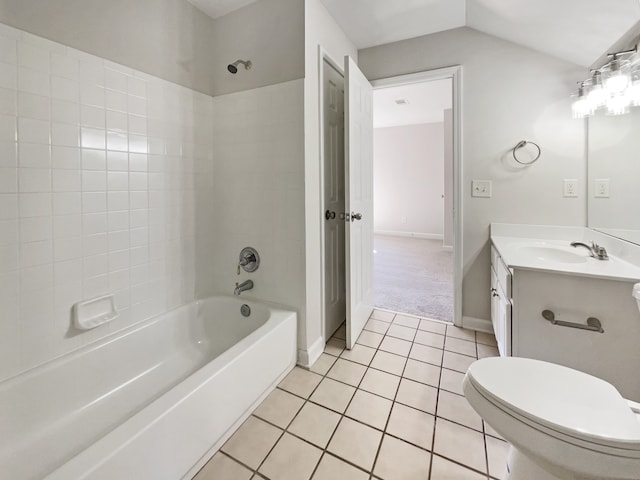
(246, 285)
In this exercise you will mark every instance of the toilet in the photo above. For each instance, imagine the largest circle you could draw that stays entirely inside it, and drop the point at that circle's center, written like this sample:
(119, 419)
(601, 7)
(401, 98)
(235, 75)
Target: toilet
(560, 423)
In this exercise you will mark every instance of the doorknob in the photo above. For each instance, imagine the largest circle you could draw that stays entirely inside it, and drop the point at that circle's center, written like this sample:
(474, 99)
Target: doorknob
(356, 216)
(329, 215)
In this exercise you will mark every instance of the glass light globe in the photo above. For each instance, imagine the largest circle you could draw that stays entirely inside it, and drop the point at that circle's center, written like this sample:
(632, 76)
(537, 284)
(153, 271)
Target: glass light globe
(618, 104)
(616, 77)
(580, 105)
(597, 96)
(633, 91)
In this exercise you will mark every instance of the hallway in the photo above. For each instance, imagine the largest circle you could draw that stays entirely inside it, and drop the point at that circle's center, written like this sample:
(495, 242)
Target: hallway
(414, 276)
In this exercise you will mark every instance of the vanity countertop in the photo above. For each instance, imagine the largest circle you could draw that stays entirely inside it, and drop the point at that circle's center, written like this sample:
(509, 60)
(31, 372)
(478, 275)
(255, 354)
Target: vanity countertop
(545, 248)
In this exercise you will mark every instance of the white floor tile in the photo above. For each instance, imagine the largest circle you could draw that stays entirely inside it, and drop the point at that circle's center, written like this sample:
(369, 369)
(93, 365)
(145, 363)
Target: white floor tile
(422, 372)
(221, 467)
(389, 362)
(252, 442)
(399, 331)
(461, 444)
(399, 460)
(411, 425)
(332, 468)
(380, 383)
(323, 364)
(356, 443)
(359, 354)
(442, 469)
(279, 408)
(333, 395)
(347, 372)
(395, 345)
(291, 459)
(369, 409)
(315, 424)
(300, 382)
(417, 395)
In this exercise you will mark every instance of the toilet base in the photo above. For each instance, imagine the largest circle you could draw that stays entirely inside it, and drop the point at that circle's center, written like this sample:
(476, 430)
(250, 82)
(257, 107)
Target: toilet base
(522, 467)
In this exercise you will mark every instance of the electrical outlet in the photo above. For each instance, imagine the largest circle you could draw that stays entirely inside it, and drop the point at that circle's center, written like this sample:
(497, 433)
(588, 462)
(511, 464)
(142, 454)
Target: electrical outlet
(481, 188)
(602, 188)
(570, 187)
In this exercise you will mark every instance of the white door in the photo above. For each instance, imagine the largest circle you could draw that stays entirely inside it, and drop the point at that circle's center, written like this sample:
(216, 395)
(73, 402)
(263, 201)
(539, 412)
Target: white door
(334, 225)
(358, 199)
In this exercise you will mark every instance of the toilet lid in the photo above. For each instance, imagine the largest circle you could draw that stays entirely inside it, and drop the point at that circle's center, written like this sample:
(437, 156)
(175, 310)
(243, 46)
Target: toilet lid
(560, 398)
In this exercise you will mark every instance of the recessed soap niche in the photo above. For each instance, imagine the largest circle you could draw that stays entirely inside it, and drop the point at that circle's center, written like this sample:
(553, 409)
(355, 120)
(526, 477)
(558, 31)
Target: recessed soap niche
(94, 312)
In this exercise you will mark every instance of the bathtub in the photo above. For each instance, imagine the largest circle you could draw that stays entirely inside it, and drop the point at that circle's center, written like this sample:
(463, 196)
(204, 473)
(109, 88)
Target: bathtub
(154, 401)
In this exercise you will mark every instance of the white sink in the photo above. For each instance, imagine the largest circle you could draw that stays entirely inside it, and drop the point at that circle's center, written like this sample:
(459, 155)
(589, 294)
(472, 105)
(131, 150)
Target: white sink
(554, 253)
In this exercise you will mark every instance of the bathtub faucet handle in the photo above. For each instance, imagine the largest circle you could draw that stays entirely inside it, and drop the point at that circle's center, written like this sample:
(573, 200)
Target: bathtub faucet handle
(248, 260)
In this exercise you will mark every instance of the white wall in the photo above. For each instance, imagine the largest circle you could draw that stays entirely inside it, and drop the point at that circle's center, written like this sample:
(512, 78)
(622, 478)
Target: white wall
(320, 29)
(408, 173)
(103, 173)
(258, 196)
(174, 40)
(509, 93)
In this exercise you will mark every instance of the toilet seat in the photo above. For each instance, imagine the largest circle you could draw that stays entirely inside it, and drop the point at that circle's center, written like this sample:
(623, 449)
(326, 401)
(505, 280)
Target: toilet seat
(569, 405)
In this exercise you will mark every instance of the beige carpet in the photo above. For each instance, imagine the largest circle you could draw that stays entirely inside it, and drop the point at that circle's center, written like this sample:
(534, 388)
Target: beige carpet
(414, 276)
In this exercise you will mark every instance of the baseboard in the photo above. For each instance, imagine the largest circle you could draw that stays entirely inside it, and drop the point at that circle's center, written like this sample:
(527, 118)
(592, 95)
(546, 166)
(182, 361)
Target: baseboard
(479, 324)
(393, 233)
(306, 358)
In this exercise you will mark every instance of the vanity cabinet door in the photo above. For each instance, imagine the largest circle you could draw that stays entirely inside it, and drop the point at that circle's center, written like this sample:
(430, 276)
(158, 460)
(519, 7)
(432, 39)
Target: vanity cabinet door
(500, 315)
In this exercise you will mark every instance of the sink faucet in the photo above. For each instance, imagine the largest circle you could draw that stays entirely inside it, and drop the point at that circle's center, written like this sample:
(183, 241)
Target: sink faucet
(246, 285)
(595, 250)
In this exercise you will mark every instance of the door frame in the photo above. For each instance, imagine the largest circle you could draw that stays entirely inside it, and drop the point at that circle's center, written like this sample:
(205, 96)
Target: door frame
(323, 56)
(455, 74)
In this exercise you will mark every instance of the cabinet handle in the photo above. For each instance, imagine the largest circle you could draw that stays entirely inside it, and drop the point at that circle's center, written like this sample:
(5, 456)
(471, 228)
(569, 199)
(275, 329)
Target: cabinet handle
(593, 324)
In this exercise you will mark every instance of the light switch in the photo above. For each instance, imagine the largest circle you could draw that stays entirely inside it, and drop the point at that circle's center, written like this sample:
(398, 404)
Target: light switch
(570, 187)
(602, 188)
(481, 188)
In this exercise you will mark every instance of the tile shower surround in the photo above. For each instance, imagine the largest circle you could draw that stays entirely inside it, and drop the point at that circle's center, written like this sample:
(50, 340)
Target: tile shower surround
(103, 171)
(391, 408)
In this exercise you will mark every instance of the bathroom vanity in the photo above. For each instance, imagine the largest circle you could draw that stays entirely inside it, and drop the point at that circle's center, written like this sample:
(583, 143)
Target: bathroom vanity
(554, 302)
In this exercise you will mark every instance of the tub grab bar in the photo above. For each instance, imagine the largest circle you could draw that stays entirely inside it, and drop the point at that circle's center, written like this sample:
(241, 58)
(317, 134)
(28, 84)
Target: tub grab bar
(593, 324)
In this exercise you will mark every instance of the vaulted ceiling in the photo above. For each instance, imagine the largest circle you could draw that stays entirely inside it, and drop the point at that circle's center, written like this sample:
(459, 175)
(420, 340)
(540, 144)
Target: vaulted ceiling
(575, 30)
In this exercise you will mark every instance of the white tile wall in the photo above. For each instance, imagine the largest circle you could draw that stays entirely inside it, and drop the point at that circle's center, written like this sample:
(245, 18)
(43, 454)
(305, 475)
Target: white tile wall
(259, 191)
(103, 171)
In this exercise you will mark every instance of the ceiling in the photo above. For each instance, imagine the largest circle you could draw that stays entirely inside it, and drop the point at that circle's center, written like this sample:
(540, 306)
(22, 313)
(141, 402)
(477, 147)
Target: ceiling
(579, 31)
(426, 103)
(218, 8)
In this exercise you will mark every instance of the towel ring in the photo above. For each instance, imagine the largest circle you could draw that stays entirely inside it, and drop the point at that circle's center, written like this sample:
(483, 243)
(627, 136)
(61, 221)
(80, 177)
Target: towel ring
(521, 144)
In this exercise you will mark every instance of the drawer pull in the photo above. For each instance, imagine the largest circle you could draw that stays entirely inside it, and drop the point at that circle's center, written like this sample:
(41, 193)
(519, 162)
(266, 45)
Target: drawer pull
(593, 324)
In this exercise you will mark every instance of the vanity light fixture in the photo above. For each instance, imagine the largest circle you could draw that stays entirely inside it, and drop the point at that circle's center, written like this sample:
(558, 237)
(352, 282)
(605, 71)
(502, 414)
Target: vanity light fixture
(612, 88)
(581, 106)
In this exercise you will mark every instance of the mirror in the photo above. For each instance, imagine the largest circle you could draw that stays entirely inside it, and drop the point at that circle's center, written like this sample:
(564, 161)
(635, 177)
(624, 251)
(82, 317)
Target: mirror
(613, 163)
(614, 169)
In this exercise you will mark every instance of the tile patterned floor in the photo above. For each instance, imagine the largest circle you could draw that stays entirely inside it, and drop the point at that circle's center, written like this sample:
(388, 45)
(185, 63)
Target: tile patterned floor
(391, 408)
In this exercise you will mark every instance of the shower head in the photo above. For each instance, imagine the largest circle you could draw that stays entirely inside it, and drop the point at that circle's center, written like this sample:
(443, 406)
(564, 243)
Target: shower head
(233, 67)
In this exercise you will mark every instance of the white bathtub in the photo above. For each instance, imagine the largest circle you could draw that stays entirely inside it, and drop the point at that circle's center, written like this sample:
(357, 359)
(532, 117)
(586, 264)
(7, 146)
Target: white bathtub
(150, 403)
